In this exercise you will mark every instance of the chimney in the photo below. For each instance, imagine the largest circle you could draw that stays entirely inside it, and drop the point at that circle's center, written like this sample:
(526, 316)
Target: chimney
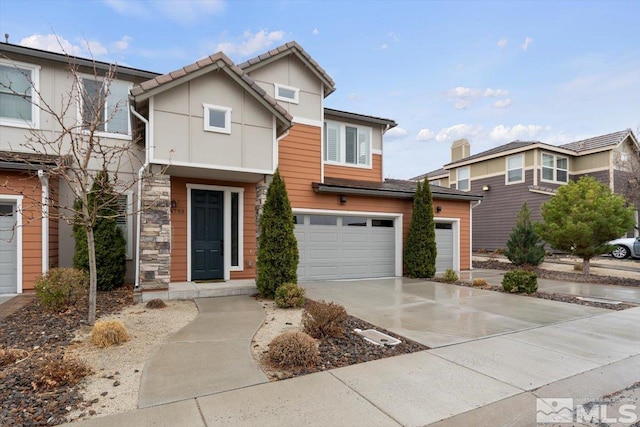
(460, 149)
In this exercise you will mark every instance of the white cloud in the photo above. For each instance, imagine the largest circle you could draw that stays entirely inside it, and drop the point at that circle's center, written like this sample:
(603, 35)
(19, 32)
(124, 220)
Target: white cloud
(502, 42)
(395, 133)
(458, 131)
(251, 43)
(502, 133)
(502, 103)
(464, 97)
(122, 44)
(127, 7)
(527, 43)
(354, 97)
(94, 48)
(315, 32)
(425, 135)
(52, 43)
(495, 92)
(384, 46)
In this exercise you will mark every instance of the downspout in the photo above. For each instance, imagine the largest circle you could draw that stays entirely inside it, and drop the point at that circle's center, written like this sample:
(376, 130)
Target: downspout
(44, 185)
(141, 171)
(473, 205)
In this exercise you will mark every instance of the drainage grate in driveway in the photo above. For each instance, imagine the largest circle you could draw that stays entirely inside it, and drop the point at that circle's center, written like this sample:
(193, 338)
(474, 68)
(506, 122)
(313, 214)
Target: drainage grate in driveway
(377, 337)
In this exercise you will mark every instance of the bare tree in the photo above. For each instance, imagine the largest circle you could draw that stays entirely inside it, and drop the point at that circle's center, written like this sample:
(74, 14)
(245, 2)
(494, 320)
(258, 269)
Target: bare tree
(77, 121)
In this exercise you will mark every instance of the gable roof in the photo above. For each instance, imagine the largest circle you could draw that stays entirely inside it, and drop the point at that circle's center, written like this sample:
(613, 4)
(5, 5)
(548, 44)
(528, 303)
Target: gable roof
(394, 188)
(217, 61)
(610, 139)
(291, 48)
(515, 145)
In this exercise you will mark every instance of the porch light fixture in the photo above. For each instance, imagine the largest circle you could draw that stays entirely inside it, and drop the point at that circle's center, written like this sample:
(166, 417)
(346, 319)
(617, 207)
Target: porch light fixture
(486, 188)
(343, 199)
(438, 209)
(174, 204)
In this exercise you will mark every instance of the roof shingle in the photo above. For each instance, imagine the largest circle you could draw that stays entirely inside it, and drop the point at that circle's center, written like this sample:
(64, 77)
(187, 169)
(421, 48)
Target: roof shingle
(610, 139)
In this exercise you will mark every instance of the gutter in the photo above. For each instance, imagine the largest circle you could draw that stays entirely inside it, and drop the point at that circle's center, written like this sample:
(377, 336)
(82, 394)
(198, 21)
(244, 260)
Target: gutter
(44, 184)
(397, 194)
(141, 171)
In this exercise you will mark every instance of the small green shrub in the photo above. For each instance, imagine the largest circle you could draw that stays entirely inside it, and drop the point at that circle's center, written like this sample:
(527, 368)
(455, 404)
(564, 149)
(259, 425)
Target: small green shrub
(290, 295)
(520, 281)
(324, 319)
(450, 276)
(293, 349)
(480, 283)
(60, 288)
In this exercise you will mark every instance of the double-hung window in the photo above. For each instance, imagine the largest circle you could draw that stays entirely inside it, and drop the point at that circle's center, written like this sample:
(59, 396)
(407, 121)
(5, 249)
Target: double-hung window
(105, 106)
(463, 179)
(347, 144)
(515, 170)
(19, 94)
(555, 168)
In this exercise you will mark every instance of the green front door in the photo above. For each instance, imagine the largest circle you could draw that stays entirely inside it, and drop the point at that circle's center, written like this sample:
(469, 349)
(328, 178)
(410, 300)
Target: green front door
(207, 244)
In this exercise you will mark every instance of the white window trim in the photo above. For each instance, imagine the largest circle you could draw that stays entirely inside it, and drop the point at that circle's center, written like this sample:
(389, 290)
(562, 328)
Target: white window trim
(129, 220)
(435, 182)
(468, 178)
(397, 225)
(555, 168)
(226, 221)
(506, 175)
(128, 136)
(342, 151)
(18, 201)
(35, 96)
(296, 95)
(227, 118)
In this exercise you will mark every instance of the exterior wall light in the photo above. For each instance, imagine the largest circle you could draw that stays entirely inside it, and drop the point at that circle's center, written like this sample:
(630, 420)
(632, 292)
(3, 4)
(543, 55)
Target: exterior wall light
(343, 199)
(486, 188)
(438, 209)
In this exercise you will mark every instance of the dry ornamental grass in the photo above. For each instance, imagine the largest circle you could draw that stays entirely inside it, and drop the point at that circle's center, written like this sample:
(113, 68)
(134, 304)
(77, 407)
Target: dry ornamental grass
(109, 333)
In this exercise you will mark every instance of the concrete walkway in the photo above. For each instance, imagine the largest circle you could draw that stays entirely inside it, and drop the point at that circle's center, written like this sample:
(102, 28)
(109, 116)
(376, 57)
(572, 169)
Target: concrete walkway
(210, 355)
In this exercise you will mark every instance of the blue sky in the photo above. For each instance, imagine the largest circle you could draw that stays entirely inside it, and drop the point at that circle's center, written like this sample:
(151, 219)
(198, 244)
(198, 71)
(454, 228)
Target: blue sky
(492, 72)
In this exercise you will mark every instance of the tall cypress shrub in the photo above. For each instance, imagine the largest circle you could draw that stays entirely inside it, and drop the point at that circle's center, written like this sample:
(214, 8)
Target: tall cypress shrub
(277, 245)
(524, 246)
(111, 246)
(420, 250)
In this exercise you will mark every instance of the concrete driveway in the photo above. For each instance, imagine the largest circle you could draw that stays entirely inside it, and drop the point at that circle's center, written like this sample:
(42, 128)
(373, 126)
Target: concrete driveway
(439, 314)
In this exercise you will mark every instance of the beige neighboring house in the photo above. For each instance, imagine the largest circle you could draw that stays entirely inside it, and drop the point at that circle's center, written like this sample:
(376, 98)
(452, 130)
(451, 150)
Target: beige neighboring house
(531, 171)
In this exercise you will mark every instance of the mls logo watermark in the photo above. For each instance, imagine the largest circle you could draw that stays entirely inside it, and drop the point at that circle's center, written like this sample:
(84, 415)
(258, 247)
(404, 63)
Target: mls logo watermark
(561, 410)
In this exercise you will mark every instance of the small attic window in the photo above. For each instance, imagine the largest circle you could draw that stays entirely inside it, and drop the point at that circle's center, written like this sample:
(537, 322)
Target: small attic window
(217, 118)
(287, 93)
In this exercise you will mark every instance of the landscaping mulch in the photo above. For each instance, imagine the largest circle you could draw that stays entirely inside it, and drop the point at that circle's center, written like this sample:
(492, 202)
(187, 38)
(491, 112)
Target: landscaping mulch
(351, 349)
(44, 335)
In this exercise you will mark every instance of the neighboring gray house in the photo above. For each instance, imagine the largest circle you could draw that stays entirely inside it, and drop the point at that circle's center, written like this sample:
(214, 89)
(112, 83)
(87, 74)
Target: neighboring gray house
(531, 171)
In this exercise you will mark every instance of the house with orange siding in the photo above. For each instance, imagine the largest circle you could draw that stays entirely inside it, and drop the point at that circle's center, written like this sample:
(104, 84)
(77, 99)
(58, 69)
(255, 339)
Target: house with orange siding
(214, 133)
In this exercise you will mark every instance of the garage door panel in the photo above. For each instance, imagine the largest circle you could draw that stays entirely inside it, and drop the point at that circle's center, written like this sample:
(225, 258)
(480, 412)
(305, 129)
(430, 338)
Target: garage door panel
(348, 252)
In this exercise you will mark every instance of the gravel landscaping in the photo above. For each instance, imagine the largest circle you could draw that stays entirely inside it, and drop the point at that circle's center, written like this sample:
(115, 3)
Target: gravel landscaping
(44, 336)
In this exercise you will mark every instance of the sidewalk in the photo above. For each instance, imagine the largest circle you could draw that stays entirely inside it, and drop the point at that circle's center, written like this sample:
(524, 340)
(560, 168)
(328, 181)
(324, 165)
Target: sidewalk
(491, 381)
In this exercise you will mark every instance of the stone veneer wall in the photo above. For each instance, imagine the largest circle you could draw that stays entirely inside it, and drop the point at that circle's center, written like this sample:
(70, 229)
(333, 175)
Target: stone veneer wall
(155, 233)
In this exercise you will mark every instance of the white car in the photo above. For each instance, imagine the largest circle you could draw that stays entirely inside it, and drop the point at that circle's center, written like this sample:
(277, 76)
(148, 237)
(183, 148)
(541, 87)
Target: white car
(623, 248)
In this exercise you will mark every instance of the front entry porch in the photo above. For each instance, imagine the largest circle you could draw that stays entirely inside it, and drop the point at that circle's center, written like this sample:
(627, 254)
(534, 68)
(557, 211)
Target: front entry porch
(189, 290)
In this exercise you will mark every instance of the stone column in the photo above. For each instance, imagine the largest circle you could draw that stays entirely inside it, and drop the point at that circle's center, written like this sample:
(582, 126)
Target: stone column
(155, 233)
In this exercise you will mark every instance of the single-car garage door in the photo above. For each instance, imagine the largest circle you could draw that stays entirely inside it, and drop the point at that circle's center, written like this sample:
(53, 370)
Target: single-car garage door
(345, 247)
(444, 243)
(8, 249)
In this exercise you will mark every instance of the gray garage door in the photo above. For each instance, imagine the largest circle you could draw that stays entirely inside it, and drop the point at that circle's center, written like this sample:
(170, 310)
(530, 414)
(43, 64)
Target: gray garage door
(444, 242)
(8, 249)
(343, 247)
